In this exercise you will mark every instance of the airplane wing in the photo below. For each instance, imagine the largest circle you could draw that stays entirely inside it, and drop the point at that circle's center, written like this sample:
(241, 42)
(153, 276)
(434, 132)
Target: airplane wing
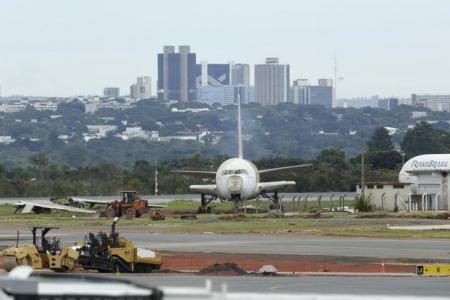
(90, 201)
(29, 207)
(209, 189)
(283, 169)
(98, 201)
(157, 206)
(200, 174)
(274, 185)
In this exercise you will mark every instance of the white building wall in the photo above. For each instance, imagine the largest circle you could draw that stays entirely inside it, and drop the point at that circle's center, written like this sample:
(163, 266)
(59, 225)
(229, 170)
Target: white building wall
(385, 195)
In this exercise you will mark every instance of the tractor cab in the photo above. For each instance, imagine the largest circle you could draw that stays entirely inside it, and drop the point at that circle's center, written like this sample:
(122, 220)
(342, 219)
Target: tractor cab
(44, 244)
(129, 204)
(129, 196)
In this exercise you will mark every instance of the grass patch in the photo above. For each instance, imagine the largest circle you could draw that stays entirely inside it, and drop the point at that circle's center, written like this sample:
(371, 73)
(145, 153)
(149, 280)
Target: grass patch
(329, 224)
(409, 215)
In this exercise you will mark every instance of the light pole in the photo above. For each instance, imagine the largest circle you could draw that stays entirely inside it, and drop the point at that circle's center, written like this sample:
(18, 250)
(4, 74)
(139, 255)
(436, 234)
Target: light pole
(156, 179)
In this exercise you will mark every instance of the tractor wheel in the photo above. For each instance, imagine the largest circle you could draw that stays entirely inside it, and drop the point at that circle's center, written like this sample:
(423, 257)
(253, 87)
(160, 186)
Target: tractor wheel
(130, 213)
(110, 212)
(68, 263)
(138, 214)
(25, 261)
(143, 268)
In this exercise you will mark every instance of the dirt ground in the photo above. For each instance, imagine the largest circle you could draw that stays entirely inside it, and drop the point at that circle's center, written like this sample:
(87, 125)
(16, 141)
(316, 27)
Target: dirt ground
(284, 263)
(195, 261)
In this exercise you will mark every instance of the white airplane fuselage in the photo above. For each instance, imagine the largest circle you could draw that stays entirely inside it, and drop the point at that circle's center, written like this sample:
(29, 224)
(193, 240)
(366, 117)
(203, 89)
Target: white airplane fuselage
(237, 178)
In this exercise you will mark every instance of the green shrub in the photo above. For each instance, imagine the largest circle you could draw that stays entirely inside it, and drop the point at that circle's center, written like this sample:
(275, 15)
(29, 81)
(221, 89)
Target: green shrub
(362, 203)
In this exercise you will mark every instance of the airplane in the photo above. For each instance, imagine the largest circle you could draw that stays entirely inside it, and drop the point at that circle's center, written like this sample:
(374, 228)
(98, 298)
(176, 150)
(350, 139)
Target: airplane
(25, 207)
(238, 179)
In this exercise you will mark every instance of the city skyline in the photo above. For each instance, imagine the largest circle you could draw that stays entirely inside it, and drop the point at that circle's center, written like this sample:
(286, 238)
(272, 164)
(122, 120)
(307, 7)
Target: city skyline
(386, 48)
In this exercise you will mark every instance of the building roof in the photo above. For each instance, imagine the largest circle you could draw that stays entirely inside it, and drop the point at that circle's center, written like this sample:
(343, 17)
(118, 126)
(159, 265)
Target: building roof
(427, 163)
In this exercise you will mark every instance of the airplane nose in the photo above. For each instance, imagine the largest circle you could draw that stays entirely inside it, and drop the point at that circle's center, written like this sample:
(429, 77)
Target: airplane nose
(235, 184)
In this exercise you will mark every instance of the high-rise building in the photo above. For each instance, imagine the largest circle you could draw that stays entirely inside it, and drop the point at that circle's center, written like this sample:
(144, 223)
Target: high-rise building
(299, 91)
(133, 91)
(142, 89)
(388, 104)
(216, 84)
(325, 82)
(111, 92)
(212, 75)
(322, 95)
(240, 74)
(272, 82)
(176, 74)
(433, 102)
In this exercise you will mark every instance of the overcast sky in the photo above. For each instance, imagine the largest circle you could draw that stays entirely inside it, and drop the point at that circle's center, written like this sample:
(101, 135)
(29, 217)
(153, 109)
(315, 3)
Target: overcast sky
(384, 47)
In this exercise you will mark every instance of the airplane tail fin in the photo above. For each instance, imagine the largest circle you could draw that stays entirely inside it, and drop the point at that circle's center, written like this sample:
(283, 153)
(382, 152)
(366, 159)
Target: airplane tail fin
(239, 124)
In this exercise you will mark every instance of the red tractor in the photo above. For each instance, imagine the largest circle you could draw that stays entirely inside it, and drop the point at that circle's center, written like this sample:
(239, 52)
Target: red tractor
(129, 205)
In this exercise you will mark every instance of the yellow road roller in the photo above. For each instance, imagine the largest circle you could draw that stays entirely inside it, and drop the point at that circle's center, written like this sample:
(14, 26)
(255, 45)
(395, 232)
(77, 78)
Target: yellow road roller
(45, 252)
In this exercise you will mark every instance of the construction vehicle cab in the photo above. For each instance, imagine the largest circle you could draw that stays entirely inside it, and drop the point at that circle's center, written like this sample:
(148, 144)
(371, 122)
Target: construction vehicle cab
(116, 254)
(129, 205)
(45, 252)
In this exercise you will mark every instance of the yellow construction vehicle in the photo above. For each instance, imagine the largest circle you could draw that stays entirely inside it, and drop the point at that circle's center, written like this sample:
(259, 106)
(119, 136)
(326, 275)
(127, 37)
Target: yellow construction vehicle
(116, 254)
(43, 253)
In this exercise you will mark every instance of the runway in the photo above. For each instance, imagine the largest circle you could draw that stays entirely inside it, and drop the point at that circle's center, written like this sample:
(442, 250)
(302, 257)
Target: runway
(409, 286)
(269, 244)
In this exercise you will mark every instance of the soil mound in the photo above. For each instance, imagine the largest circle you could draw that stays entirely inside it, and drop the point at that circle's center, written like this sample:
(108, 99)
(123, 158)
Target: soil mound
(238, 217)
(223, 269)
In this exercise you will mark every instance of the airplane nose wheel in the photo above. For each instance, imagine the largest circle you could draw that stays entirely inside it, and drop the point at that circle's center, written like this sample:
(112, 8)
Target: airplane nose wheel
(204, 208)
(276, 201)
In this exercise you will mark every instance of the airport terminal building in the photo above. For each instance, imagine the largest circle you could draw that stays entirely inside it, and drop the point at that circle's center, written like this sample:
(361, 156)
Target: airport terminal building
(423, 185)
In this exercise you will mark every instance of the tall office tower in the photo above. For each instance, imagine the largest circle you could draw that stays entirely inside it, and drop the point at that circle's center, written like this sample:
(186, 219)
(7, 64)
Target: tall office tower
(176, 74)
(325, 82)
(216, 75)
(133, 91)
(321, 94)
(111, 92)
(433, 102)
(388, 104)
(272, 82)
(142, 89)
(240, 74)
(299, 91)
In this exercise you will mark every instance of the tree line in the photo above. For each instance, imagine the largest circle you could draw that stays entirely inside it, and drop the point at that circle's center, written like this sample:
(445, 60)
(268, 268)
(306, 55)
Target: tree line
(332, 170)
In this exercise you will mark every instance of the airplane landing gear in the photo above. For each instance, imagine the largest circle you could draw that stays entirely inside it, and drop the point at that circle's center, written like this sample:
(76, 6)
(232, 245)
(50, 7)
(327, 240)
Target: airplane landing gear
(276, 201)
(203, 209)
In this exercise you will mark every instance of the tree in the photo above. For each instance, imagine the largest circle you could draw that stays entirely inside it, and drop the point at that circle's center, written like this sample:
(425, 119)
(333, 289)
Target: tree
(334, 157)
(384, 159)
(425, 139)
(40, 160)
(380, 141)
(73, 107)
(74, 155)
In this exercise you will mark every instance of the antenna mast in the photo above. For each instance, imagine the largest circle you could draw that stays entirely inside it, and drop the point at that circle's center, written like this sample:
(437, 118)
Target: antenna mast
(240, 144)
(335, 81)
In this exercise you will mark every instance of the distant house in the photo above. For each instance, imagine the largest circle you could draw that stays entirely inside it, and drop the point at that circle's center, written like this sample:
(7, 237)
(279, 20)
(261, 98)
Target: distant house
(99, 131)
(6, 139)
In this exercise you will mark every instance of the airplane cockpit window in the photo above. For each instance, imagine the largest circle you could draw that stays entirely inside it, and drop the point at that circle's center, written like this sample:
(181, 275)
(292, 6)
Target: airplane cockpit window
(237, 172)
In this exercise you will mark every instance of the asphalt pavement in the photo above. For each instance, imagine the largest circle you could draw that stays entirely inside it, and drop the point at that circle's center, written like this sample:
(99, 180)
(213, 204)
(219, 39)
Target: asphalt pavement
(374, 286)
(270, 244)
